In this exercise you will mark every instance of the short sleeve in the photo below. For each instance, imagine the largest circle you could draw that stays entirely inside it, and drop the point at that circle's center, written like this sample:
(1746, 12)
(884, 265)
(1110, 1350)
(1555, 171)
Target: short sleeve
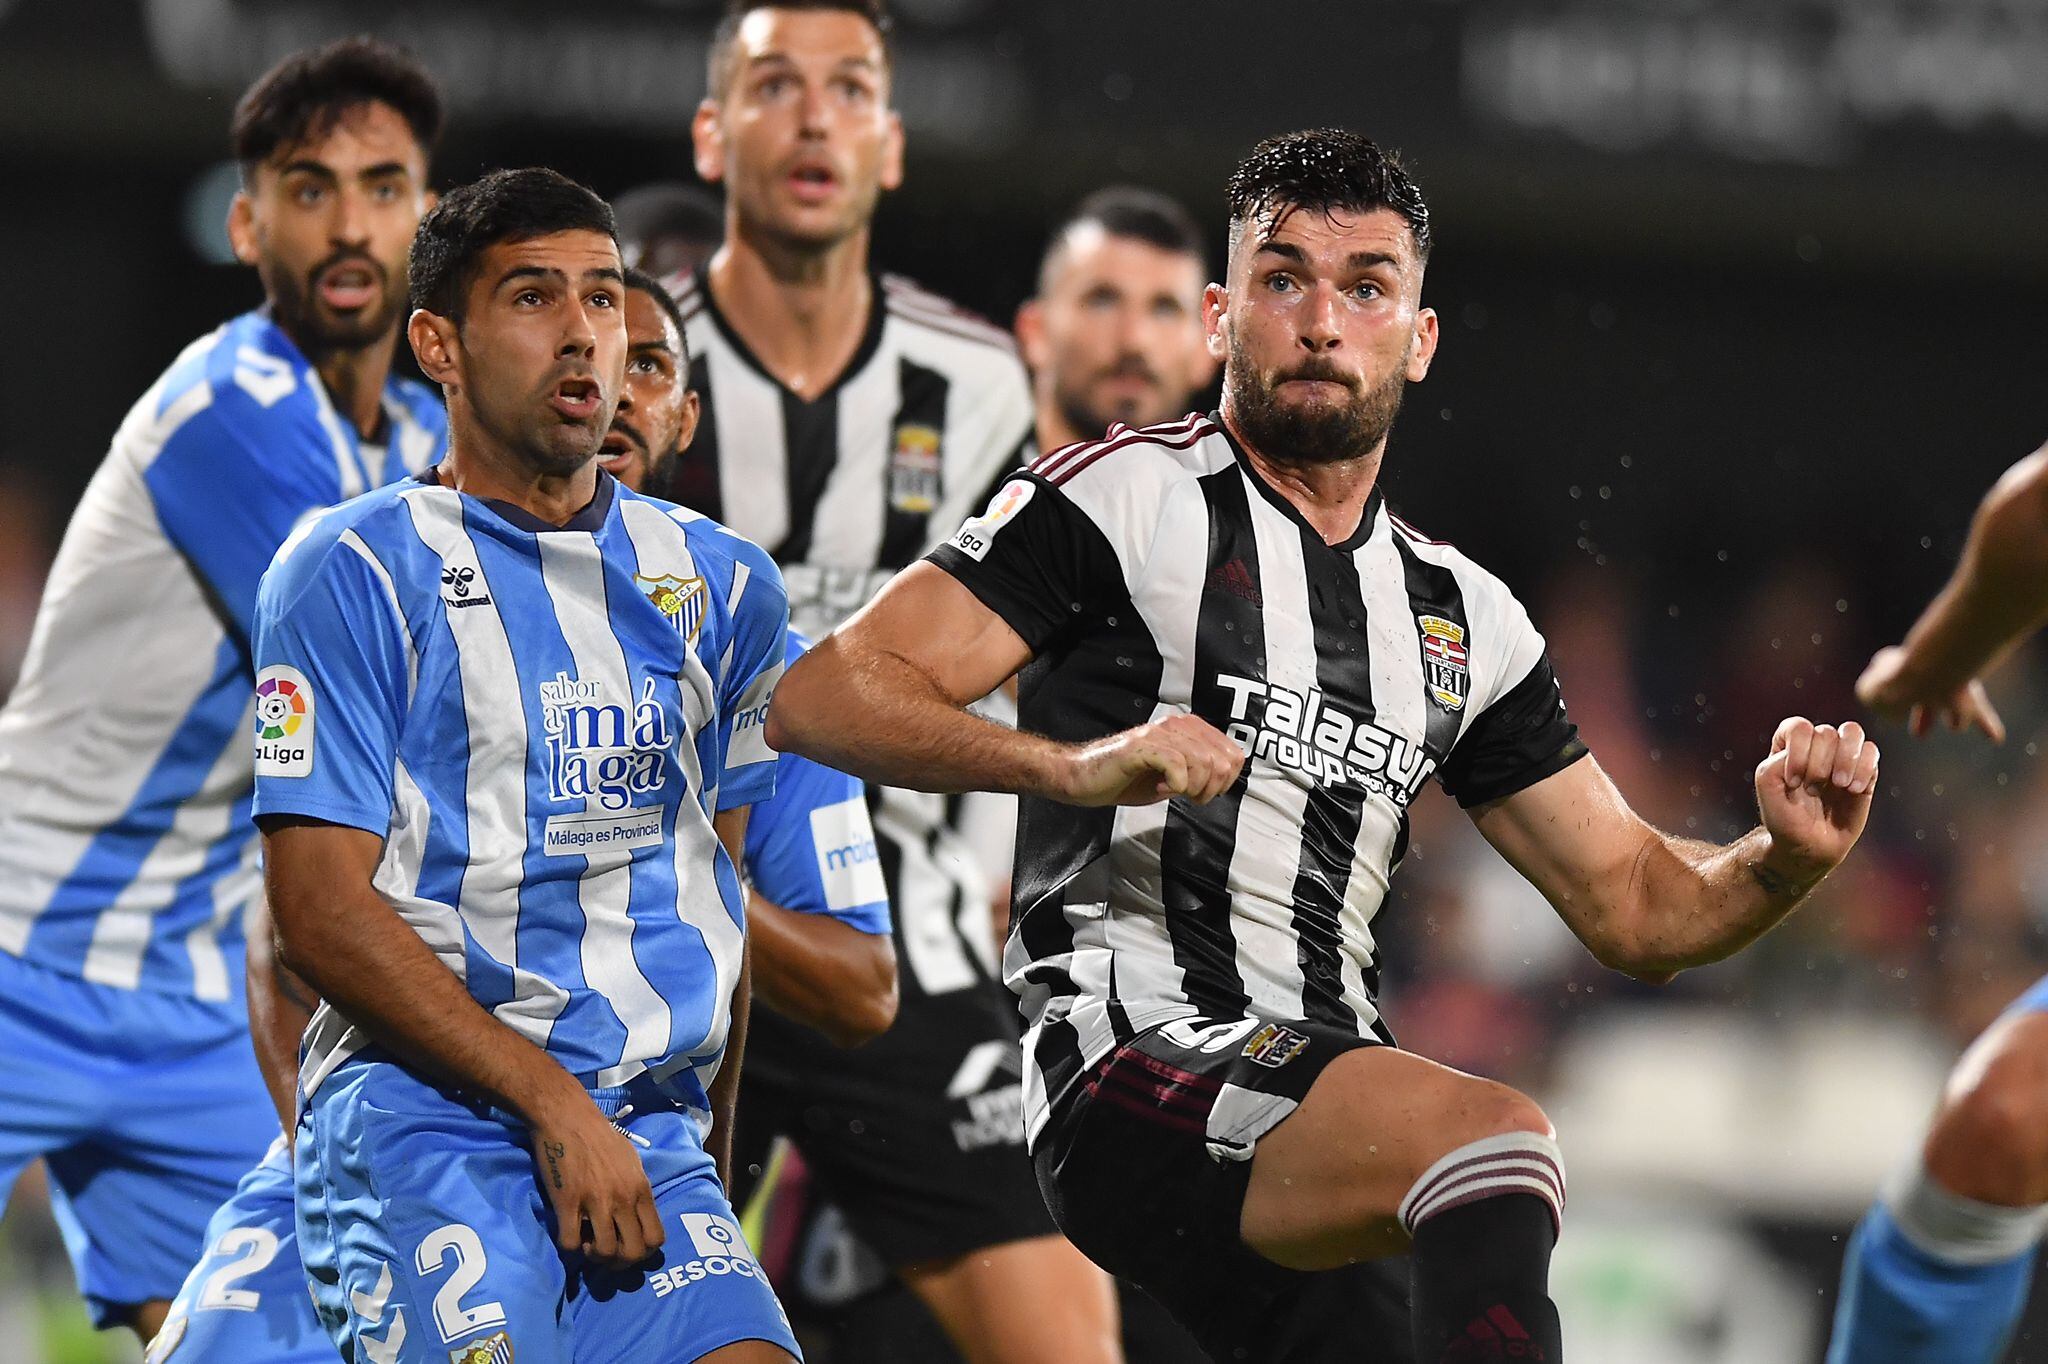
(1520, 739)
(811, 847)
(333, 681)
(1033, 558)
(752, 668)
(227, 504)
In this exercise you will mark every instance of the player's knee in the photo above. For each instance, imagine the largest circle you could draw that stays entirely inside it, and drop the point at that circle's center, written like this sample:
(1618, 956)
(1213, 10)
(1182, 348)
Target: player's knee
(1990, 1140)
(1504, 1111)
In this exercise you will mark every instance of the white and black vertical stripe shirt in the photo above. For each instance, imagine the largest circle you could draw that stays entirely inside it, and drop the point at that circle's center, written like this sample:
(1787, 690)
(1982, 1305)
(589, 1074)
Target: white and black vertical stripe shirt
(1153, 573)
(844, 490)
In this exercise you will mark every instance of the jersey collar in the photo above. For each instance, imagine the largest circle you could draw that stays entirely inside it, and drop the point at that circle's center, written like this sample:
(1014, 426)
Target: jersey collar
(870, 339)
(590, 519)
(1368, 522)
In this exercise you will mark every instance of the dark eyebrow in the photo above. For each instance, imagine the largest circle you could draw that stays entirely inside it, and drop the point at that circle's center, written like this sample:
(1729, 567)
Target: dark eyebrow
(1288, 250)
(661, 345)
(1365, 260)
(303, 166)
(610, 272)
(382, 169)
(539, 272)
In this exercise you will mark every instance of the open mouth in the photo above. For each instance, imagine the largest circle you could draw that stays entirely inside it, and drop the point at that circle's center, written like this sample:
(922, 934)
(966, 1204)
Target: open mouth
(813, 183)
(576, 399)
(349, 287)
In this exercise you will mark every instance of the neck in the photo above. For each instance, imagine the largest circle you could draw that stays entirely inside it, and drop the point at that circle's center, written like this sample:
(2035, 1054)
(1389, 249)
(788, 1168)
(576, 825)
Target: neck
(1052, 429)
(481, 466)
(801, 311)
(1330, 496)
(354, 380)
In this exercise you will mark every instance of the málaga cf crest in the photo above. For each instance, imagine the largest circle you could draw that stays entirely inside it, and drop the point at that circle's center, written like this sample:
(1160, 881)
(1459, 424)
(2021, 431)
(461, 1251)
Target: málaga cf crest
(680, 599)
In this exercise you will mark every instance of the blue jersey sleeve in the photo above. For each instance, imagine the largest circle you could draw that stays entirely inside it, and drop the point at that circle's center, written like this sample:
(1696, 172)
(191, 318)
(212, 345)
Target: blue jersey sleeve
(226, 500)
(333, 680)
(760, 622)
(811, 849)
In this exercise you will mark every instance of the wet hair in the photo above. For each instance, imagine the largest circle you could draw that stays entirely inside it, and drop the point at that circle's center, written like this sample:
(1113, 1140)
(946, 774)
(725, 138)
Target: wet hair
(654, 289)
(302, 97)
(1128, 211)
(504, 206)
(1324, 170)
(718, 74)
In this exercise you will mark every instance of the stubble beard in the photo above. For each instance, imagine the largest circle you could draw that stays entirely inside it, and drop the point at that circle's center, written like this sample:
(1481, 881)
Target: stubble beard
(1323, 434)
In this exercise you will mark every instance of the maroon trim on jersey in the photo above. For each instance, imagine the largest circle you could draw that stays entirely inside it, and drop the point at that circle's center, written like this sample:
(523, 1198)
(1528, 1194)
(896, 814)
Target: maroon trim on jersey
(1414, 534)
(1069, 460)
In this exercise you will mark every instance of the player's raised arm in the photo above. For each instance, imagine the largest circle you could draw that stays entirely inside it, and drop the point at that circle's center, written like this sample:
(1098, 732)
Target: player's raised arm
(885, 696)
(1650, 904)
(1996, 597)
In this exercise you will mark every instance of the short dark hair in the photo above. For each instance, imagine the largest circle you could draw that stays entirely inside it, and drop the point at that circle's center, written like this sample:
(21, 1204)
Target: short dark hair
(1129, 211)
(302, 97)
(667, 208)
(504, 206)
(1323, 170)
(718, 59)
(656, 290)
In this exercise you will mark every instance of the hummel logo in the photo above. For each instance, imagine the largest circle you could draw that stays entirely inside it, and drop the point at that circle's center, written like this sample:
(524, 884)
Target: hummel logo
(455, 586)
(1233, 577)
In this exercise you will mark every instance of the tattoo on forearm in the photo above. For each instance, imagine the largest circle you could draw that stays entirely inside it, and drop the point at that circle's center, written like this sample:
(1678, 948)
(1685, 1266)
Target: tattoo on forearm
(554, 1151)
(1775, 883)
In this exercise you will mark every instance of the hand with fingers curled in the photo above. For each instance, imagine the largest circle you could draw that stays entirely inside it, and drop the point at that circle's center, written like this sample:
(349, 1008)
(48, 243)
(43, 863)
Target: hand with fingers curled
(594, 1181)
(1814, 793)
(1897, 690)
(1180, 755)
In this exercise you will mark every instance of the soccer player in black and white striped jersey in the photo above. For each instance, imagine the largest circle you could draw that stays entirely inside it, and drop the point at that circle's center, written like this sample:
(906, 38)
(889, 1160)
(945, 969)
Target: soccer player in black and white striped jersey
(1242, 668)
(850, 421)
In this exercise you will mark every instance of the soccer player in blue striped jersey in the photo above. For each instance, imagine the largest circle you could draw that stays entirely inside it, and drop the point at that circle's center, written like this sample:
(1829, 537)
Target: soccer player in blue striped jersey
(127, 859)
(512, 722)
(810, 855)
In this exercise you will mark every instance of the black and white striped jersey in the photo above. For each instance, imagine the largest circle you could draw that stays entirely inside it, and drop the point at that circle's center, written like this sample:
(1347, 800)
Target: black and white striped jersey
(1154, 572)
(846, 489)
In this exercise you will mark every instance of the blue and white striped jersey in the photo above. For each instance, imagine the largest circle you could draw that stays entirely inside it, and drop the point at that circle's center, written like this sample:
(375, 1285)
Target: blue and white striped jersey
(126, 853)
(541, 723)
(811, 847)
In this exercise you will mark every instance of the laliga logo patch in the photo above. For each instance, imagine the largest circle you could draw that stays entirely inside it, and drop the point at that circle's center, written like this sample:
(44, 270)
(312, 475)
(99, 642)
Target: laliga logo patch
(680, 599)
(284, 723)
(974, 538)
(1446, 663)
(493, 1349)
(914, 470)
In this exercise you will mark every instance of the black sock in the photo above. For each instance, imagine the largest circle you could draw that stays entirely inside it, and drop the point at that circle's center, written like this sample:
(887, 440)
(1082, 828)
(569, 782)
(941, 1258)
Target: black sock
(1482, 1284)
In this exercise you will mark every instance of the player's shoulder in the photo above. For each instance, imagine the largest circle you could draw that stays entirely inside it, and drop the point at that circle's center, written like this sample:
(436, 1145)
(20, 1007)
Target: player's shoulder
(1127, 458)
(716, 550)
(1475, 582)
(921, 312)
(344, 538)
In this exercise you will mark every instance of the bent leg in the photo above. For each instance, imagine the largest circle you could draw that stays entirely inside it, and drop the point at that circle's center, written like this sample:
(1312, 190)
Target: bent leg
(1021, 1302)
(1387, 1147)
(1938, 1270)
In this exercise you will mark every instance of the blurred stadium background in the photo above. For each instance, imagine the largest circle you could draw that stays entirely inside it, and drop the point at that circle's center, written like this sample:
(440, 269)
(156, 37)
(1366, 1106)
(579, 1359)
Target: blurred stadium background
(1743, 307)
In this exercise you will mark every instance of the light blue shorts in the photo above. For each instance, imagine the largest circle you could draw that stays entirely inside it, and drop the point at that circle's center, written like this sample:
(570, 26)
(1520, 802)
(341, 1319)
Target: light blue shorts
(427, 1238)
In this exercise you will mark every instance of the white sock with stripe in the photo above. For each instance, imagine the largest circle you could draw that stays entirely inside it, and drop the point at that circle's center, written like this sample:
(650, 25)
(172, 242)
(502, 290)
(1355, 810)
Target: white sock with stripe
(1513, 1162)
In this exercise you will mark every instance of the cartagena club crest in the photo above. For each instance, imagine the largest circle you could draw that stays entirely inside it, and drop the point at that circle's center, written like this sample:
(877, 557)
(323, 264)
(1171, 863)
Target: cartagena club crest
(1446, 663)
(680, 599)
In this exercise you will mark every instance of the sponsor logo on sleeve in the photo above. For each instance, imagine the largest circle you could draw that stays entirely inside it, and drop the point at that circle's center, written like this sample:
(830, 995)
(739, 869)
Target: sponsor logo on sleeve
(284, 723)
(717, 1250)
(1446, 661)
(974, 538)
(848, 862)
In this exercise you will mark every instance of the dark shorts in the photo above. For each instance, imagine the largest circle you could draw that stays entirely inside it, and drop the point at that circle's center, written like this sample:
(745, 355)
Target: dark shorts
(917, 1137)
(1145, 1163)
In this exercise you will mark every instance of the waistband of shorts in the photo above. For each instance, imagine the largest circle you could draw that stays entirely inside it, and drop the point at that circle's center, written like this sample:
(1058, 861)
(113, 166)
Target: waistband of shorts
(640, 1095)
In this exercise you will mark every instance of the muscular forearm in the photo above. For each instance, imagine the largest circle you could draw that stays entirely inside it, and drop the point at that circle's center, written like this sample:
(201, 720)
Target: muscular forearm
(280, 1007)
(355, 950)
(1692, 903)
(822, 973)
(725, 1089)
(1999, 592)
(881, 717)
